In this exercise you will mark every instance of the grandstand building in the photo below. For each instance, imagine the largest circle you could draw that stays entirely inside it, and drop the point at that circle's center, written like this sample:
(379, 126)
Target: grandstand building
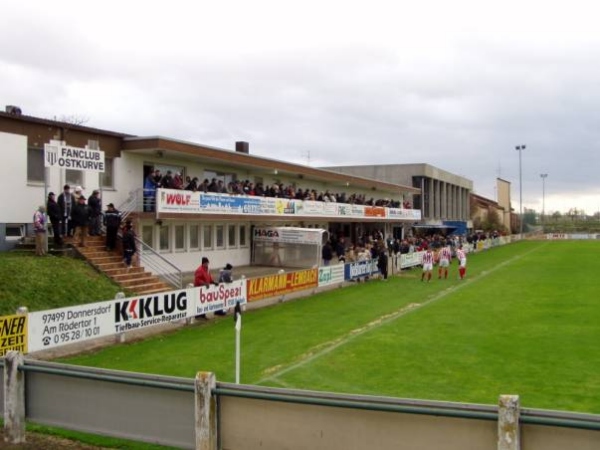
(182, 225)
(443, 198)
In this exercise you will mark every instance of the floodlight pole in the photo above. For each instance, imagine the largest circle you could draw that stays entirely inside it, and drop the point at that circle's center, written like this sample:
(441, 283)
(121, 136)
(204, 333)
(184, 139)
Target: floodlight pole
(543, 176)
(520, 149)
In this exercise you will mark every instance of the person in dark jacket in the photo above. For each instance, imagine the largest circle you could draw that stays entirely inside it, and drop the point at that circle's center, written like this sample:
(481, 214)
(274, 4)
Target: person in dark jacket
(95, 205)
(327, 253)
(112, 222)
(80, 216)
(66, 203)
(129, 247)
(55, 216)
(382, 263)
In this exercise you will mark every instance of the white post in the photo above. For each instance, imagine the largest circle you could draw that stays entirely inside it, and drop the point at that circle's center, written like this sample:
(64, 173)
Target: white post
(189, 320)
(238, 333)
(121, 335)
(205, 412)
(14, 400)
(508, 423)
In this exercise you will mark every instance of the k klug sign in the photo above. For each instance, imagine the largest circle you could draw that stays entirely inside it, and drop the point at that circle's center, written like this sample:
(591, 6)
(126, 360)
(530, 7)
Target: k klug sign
(56, 154)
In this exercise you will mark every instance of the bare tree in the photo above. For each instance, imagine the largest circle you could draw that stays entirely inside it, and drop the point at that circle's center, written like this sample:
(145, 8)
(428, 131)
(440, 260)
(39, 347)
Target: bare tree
(74, 119)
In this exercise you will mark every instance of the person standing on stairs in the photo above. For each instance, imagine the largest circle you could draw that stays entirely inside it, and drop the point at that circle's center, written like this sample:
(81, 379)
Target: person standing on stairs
(129, 247)
(112, 222)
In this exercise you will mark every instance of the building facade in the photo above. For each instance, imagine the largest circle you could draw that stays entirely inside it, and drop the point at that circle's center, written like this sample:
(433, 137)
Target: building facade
(179, 232)
(443, 197)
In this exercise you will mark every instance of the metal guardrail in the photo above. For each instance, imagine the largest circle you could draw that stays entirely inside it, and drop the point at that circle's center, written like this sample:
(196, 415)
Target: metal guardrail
(388, 404)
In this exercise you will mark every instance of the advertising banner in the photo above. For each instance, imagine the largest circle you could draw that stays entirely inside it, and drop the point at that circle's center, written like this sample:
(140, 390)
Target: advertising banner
(143, 311)
(404, 214)
(13, 334)
(178, 201)
(374, 211)
(360, 269)
(281, 284)
(288, 235)
(187, 202)
(411, 259)
(56, 327)
(217, 298)
(57, 154)
(329, 275)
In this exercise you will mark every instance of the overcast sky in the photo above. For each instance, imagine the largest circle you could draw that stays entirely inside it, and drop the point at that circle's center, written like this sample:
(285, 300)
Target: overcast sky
(455, 84)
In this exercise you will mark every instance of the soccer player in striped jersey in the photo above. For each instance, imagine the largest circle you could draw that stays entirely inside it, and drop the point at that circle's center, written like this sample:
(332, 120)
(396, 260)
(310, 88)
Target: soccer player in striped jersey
(427, 264)
(462, 260)
(445, 258)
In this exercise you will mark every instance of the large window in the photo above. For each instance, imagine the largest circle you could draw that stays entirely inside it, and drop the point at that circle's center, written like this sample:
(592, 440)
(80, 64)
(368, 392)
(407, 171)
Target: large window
(164, 243)
(35, 165)
(194, 237)
(148, 235)
(74, 178)
(207, 237)
(231, 235)
(220, 232)
(243, 241)
(107, 177)
(179, 237)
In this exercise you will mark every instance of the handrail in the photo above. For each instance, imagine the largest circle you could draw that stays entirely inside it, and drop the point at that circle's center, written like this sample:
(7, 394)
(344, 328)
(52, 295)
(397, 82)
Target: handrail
(159, 264)
(120, 379)
(150, 258)
(133, 203)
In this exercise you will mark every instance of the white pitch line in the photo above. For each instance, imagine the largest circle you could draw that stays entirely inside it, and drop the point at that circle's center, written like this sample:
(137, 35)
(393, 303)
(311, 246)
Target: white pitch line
(328, 347)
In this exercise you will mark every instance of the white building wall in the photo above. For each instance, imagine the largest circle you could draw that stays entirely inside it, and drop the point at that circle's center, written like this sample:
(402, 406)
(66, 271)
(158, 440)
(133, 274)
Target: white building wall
(18, 198)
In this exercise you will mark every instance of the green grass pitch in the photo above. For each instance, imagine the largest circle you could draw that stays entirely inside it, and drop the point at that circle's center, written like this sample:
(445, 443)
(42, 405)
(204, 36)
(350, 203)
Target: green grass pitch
(525, 321)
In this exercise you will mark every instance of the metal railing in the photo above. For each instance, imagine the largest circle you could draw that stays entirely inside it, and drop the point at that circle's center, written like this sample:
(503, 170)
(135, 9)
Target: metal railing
(149, 257)
(159, 265)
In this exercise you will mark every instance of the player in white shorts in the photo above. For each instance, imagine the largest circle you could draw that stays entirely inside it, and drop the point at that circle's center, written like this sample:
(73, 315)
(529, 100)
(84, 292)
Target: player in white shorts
(427, 264)
(445, 257)
(462, 259)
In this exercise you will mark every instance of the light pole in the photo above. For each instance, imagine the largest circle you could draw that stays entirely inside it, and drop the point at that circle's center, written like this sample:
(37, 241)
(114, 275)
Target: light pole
(543, 176)
(520, 149)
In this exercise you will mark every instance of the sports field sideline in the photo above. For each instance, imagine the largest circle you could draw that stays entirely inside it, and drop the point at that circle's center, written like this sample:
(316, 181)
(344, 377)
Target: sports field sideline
(525, 321)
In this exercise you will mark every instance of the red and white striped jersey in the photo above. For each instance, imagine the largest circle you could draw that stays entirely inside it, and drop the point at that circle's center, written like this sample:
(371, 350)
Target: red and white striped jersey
(445, 253)
(428, 257)
(460, 254)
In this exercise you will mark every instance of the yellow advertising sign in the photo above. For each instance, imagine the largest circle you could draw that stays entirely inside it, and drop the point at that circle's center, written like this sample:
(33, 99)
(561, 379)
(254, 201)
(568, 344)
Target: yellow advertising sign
(281, 284)
(13, 334)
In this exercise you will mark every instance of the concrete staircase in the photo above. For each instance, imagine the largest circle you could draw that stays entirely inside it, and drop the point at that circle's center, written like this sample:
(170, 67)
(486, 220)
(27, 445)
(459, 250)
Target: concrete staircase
(135, 280)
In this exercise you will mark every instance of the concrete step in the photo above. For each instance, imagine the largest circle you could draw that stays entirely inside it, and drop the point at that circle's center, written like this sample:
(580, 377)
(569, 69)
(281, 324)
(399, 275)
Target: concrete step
(129, 275)
(139, 281)
(145, 288)
(104, 259)
(112, 265)
(122, 270)
(153, 290)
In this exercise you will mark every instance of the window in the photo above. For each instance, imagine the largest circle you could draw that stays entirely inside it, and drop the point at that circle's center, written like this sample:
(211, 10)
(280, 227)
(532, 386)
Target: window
(220, 231)
(194, 237)
(35, 165)
(74, 177)
(148, 235)
(207, 242)
(242, 229)
(179, 237)
(231, 235)
(107, 177)
(164, 242)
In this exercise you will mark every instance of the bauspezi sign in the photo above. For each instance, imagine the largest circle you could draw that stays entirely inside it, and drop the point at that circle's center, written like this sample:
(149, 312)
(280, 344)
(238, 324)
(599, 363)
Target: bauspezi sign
(57, 154)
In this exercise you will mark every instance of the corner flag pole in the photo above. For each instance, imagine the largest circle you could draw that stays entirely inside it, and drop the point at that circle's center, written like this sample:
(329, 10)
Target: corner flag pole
(238, 331)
